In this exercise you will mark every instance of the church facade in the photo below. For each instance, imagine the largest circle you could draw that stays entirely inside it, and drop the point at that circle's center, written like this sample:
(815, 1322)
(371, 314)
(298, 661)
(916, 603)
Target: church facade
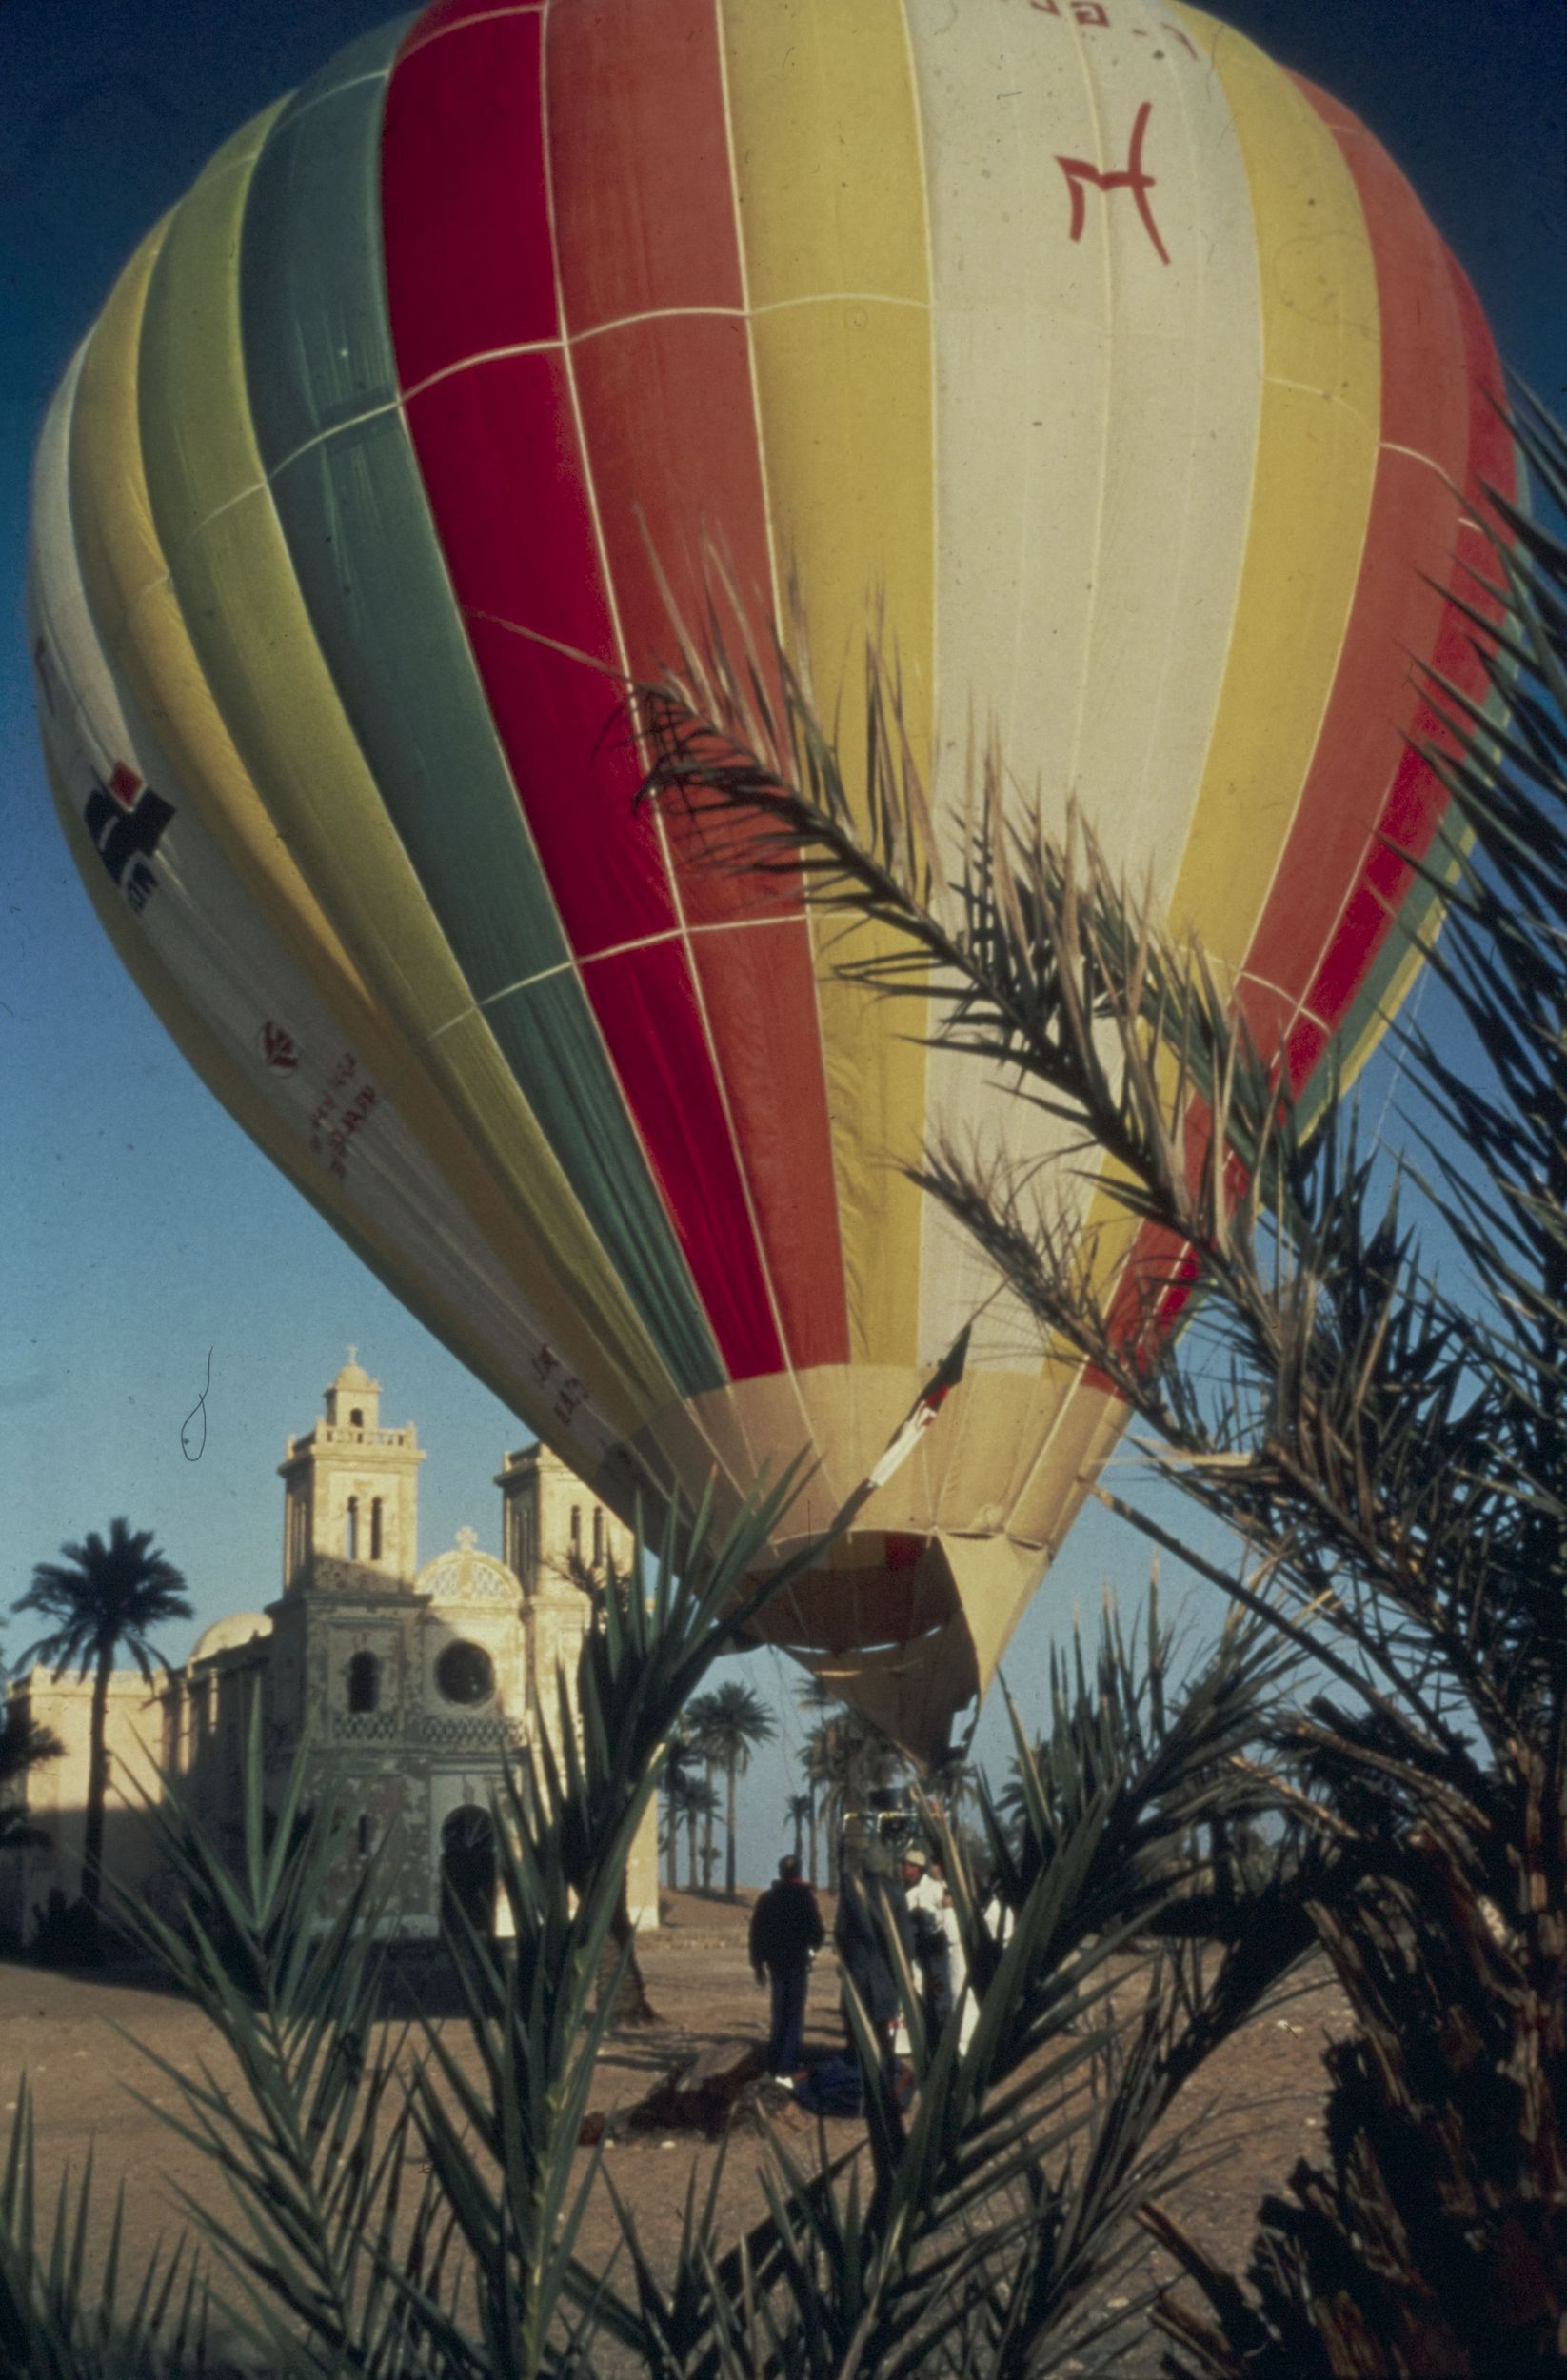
(414, 1684)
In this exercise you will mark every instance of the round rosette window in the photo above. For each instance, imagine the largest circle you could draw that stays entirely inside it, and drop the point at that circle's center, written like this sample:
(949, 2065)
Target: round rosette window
(465, 1673)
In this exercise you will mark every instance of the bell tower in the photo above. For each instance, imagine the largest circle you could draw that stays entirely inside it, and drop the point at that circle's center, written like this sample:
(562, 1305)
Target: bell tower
(552, 1533)
(352, 1492)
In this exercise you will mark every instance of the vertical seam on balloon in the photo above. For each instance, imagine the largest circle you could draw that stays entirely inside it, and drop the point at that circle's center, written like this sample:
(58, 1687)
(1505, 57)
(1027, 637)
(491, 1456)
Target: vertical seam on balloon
(591, 493)
(918, 114)
(1201, 312)
(1016, 661)
(929, 1215)
(1355, 576)
(244, 163)
(1086, 649)
(1078, 1385)
(1301, 1010)
(946, 1251)
(436, 928)
(358, 1231)
(1078, 1372)
(1256, 178)
(399, 405)
(1222, 675)
(668, 1358)
(441, 1302)
(332, 979)
(804, 922)
(1081, 1371)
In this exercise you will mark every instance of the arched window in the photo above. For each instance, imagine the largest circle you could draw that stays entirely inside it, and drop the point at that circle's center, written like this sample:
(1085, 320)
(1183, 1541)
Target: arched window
(597, 1537)
(375, 1529)
(364, 1836)
(364, 1682)
(356, 1419)
(576, 1529)
(350, 1530)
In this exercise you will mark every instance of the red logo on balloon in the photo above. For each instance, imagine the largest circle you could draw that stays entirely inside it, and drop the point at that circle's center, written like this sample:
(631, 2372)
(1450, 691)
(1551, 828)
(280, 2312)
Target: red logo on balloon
(1079, 173)
(279, 1049)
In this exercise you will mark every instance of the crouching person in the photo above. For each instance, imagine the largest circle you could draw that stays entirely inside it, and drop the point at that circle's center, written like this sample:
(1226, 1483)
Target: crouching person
(785, 1936)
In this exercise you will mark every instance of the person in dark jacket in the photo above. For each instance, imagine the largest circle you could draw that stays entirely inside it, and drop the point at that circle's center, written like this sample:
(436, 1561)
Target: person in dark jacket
(785, 1936)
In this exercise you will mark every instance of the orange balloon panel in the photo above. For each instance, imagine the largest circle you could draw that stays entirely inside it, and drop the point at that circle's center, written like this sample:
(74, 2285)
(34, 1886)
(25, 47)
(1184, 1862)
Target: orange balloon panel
(1115, 370)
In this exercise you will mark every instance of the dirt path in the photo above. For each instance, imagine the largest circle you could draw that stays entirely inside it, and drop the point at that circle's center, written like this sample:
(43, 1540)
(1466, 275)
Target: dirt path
(1263, 2091)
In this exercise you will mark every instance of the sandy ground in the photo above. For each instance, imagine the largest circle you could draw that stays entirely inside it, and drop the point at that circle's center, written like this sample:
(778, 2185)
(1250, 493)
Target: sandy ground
(1260, 2099)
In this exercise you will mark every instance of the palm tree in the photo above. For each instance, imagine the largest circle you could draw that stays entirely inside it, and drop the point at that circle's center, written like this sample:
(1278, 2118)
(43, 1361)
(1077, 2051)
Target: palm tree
(800, 1812)
(680, 1775)
(24, 1745)
(102, 1596)
(813, 1696)
(735, 1721)
(846, 1760)
(697, 1717)
(950, 1781)
(698, 1800)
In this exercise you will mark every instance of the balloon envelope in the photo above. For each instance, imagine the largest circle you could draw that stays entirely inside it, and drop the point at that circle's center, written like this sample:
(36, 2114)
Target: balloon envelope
(1115, 370)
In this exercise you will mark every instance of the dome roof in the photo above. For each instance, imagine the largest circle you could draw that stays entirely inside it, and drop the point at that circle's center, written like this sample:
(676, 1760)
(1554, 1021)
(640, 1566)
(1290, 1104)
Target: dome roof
(463, 1575)
(225, 1634)
(353, 1374)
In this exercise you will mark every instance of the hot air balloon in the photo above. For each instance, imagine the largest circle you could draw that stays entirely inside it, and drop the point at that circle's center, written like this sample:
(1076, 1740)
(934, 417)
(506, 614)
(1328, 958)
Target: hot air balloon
(1114, 369)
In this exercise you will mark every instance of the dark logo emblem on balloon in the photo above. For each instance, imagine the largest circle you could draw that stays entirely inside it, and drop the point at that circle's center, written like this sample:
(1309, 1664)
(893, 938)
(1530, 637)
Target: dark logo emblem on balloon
(125, 820)
(279, 1048)
(1081, 172)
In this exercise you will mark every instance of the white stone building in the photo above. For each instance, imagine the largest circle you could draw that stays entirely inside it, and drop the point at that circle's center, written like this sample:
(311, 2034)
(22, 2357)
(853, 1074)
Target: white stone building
(415, 1682)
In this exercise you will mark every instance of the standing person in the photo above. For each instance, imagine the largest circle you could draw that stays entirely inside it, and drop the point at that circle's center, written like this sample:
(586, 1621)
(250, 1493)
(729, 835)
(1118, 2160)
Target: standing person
(925, 1889)
(787, 1933)
(871, 1905)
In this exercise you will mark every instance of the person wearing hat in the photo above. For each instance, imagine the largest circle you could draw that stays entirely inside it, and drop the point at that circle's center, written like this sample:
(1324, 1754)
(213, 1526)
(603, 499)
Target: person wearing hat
(787, 1933)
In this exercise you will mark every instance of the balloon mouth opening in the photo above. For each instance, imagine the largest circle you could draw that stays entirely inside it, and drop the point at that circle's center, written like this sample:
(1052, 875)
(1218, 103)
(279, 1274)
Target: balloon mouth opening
(876, 1591)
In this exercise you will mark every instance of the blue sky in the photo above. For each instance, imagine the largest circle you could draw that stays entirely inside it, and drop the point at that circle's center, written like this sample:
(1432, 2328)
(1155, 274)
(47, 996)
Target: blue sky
(141, 1230)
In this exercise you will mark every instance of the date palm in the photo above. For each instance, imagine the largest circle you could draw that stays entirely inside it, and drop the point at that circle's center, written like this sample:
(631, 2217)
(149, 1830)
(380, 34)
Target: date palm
(681, 1778)
(696, 1800)
(695, 1723)
(102, 1598)
(800, 1812)
(846, 1760)
(24, 1745)
(730, 1722)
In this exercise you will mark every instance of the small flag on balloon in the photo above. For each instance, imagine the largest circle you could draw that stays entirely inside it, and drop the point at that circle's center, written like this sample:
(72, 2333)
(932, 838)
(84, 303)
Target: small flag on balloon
(924, 1411)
